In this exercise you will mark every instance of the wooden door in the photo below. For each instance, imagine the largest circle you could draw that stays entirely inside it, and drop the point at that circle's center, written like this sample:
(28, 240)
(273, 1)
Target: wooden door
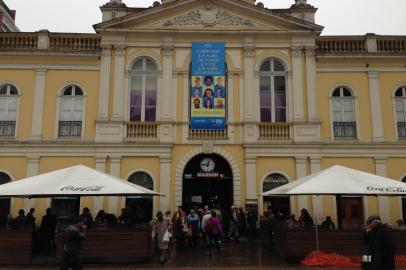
(350, 212)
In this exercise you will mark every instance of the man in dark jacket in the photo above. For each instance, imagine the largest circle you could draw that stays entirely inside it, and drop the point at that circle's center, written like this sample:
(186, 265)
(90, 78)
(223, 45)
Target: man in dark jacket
(74, 235)
(380, 245)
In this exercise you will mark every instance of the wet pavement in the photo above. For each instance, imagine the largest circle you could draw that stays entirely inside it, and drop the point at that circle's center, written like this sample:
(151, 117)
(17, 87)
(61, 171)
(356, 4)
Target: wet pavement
(242, 255)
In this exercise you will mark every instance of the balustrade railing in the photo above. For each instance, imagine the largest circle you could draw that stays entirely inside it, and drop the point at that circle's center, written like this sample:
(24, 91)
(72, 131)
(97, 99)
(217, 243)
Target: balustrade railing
(18, 40)
(142, 130)
(402, 130)
(274, 131)
(74, 42)
(391, 45)
(70, 129)
(208, 134)
(346, 45)
(345, 130)
(7, 128)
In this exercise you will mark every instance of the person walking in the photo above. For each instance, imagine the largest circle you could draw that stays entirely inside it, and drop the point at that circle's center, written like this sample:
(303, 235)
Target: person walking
(194, 222)
(160, 228)
(47, 230)
(214, 231)
(74, 235)
(233, 231)
(381, 246)
(242, 222)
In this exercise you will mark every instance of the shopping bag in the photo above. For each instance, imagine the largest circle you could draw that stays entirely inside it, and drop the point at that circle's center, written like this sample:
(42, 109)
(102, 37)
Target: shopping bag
(166, 237)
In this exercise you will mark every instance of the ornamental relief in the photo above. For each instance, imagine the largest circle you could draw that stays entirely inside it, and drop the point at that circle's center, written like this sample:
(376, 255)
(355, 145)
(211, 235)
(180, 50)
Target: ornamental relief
(208, 16)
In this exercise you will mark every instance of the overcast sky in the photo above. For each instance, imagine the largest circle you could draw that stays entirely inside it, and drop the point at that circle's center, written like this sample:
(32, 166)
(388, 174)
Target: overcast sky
(339, 17)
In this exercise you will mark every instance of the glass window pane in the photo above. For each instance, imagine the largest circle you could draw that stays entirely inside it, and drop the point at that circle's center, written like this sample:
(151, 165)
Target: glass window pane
(266, 115)
(12, 104)
(347, 105)
(78, 91)
(68, 91)
(279, 83)
(151, 82)
(12, 115)
(280, 114)
(346, 92)
(77, 116)
(151, 67)
(13, 90)
(150, 98)
(337, 117)
(65, 116)
(143, 179)
(138, 65)
(136, 82)
(150, 113)
(266, 66)
(399, 93)
(265, 83)
(400, 117)
(135, 114)
(3, 89)
(66, 104)
(277, 66)
(336, 105)
(273, 181)
(265, 100)
(336, 92)
(78, 104)
(280, 99)
(348, 117)
(135, 98)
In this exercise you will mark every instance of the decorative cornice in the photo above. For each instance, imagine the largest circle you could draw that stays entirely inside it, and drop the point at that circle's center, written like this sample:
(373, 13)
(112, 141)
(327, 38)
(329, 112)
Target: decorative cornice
(208, 16)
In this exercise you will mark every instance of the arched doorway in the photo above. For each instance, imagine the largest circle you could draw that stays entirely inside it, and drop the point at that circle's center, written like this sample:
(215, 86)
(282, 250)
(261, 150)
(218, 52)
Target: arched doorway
(280, 205)
(5, 203)
(207, 180)
(140, 208)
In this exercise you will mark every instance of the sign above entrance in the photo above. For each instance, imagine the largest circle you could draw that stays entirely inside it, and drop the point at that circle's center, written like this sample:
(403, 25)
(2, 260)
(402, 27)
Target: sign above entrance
(208, 91)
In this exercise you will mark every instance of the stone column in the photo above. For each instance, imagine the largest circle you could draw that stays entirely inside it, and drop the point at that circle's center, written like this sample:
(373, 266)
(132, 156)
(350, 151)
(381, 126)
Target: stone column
(104, 83)
(165, 183)
(98, 201)
(376, 110)
(383, 201)
(290, 98)
(32, 170)
(115, 167)
(298, 109)
(37, 114)
(311, 84)
(251, 178)
(302, 200)
(249, 95)
(118, 83)
(167, 91)
(317, 200)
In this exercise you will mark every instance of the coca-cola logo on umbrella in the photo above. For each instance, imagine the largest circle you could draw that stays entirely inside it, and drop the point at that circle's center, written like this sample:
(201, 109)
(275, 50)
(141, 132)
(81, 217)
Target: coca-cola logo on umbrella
(387, 189)
(90, 188)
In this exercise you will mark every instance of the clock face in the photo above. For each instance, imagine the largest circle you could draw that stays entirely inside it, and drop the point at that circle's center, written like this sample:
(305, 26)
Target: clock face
(207, 165)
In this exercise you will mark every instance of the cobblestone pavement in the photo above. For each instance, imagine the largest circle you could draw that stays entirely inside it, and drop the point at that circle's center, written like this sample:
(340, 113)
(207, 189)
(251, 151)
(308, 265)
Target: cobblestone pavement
(241, 255)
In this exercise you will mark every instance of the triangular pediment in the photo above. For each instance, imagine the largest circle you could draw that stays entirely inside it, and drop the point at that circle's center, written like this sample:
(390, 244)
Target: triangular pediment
(208, 15)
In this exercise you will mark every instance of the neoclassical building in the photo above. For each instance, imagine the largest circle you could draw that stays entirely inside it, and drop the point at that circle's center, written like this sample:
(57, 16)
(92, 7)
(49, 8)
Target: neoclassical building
(296, 102)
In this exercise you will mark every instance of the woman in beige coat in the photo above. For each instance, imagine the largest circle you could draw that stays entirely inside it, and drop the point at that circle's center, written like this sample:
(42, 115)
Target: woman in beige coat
(160, 226)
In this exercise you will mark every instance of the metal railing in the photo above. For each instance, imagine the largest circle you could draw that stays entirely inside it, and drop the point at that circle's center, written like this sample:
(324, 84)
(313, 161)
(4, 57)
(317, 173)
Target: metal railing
(70, 129)
(402, 130)
(142, 130)
(274, 131)
(208, 134)
(345, 130)
(7, 128)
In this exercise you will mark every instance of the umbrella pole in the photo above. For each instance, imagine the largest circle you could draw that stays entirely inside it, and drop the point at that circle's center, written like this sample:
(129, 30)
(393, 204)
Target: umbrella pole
(317, 235)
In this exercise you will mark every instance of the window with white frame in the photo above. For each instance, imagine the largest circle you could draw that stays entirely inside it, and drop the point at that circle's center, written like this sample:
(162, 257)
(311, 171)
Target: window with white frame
(344, 123)
(400, 105)
(272, 84)
(143, 92)
(8, 110)
(71, 112)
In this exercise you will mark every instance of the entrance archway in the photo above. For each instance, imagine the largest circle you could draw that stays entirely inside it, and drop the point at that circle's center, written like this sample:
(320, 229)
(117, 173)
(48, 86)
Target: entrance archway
(140, 207)
(5, 203)
(207, 180)
(280, 206)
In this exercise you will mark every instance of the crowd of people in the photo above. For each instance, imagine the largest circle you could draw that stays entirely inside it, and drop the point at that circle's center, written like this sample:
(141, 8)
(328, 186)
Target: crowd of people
(208, 226)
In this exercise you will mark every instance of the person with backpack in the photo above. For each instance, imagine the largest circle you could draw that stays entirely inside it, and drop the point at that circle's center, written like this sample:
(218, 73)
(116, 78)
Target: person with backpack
(214, 231)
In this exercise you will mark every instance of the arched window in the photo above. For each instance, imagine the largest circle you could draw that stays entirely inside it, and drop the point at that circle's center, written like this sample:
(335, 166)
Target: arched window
(143, 92)
(272, 84)
(71, 112)
(5, 203)
(280, 206)
(343, 109)
(400, 105)
(140, 208)
(8, 110)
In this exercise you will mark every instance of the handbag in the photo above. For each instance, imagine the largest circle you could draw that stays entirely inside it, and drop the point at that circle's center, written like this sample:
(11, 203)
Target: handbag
(166, 237)
(366, 262)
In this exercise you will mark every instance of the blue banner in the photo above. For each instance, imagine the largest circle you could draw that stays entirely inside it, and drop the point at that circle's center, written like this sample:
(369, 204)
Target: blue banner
(208, 91)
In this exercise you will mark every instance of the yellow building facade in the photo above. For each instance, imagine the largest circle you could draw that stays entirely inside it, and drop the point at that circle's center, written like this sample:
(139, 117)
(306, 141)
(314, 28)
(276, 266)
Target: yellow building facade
(119, 101)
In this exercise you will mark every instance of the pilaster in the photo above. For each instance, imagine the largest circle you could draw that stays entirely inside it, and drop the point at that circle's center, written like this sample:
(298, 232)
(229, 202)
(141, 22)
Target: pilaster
(165, 183)
(383, 201)
(115, 167)
(98, 201)
(317, 200)
(37, 114)
(298, 109)
(118, 82)
(32, 169)
(167, 91)
(376, 110)
(311, 84)
(104, 83)
(302, 200)
(251, 178)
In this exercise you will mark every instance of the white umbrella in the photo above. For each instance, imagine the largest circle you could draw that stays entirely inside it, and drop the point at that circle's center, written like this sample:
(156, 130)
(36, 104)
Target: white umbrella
(339, 180)
(73, 181)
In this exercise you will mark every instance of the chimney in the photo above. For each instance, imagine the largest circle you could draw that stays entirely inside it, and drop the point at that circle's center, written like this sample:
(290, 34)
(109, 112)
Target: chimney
(302, 10)
(113, 9)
